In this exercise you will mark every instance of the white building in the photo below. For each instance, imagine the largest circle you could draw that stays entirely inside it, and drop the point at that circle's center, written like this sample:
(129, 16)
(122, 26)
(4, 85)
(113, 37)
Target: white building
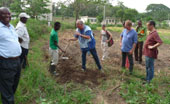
(168, 22)
(92, 20)
(49, 16)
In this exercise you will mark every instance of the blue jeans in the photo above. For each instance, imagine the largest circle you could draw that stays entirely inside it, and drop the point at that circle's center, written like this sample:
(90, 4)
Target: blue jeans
(149, 68)
(95, 56)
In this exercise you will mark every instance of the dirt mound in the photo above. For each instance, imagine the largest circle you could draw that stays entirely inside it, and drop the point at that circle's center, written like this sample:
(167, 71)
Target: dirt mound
(70, 71)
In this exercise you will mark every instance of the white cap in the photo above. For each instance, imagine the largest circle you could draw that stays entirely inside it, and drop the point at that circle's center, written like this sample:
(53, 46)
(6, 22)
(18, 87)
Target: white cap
(24, 15)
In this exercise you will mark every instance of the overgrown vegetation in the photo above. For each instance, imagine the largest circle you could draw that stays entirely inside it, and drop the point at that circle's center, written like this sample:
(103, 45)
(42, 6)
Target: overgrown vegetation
(136, 92)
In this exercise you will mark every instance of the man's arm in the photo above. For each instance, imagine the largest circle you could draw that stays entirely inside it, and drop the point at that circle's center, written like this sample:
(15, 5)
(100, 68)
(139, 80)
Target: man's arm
(135, 40)
(20, 33)
(155, 46)
(82, 35)
(133, 49)
(55, 42)
(158, 40)
(120, 41)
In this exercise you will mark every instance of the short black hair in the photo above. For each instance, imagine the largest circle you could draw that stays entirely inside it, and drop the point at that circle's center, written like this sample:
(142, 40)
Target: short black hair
(152, 23)
(57, 25)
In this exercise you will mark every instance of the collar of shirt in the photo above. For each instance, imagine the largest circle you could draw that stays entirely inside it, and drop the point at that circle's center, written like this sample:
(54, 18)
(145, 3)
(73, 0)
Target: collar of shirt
(152, 32)
(2, 25)
(128, 31)
(21, 23)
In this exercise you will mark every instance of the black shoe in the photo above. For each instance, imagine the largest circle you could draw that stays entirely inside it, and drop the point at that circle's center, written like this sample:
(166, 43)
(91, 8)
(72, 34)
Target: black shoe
(52, 69)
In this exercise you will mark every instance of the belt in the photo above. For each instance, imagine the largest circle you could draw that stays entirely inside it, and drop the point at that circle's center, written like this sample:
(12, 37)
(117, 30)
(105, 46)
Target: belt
(10, 58)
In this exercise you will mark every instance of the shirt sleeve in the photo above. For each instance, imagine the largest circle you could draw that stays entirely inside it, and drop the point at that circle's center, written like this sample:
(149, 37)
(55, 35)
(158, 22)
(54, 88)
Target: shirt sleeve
(135, 37)
(76, 36)
(20, 32)
(157, 38)
(122, 33)
(88, 33)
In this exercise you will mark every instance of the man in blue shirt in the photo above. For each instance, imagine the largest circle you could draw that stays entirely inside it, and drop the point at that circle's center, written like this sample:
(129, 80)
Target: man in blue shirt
(128, 41)
(10, 51)
(87, 43)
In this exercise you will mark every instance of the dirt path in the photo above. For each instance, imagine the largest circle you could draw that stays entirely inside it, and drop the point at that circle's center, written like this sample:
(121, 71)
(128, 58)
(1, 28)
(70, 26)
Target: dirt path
(70, 70)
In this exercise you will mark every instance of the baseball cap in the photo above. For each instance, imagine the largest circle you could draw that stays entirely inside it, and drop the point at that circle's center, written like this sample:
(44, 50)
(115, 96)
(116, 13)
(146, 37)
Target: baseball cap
(24, 15)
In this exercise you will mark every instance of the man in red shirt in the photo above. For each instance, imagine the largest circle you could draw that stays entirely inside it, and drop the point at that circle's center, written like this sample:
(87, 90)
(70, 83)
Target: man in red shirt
(153, 41)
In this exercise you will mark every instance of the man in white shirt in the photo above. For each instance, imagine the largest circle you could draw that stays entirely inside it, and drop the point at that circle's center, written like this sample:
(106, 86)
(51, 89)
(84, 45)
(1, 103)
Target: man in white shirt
(24, 38)
(10, 51)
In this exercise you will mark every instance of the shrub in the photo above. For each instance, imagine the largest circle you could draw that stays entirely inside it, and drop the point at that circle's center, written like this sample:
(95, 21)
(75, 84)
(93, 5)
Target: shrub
(36, 28)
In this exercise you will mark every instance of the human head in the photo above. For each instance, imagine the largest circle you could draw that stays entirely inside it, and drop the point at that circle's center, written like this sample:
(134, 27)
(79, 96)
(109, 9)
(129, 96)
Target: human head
(151, 25)
(57, 26)
(23, 17)
(139, 23)
(103, 26)
(80, 24)
(128, 25)
(5, 15)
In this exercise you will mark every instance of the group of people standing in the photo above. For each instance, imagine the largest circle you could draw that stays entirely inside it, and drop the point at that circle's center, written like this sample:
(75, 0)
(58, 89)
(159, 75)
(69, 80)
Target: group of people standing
(132, 41)
(14, 45)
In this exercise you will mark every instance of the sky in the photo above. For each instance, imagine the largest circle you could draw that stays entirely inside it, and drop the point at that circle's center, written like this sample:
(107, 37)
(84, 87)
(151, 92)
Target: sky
(139, 5)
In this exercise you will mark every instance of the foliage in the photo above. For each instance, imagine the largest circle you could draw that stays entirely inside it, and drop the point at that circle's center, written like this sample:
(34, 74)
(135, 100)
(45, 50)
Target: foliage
(34, 8)
(37, 7)
(16, 7)
(159, 12)
(135, 92)
(5, 3)
(35, 28)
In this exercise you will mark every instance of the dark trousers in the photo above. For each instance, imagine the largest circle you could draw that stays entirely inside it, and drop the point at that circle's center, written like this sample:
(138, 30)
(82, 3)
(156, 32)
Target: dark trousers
(10, 70)
(130, 58)
(138, 51)
(95, 56)
(23, 57)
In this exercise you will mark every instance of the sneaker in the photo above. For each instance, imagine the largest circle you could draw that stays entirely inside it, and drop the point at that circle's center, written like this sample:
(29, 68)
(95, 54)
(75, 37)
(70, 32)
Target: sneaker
(55, 73)
(83, 70)
(102, 70)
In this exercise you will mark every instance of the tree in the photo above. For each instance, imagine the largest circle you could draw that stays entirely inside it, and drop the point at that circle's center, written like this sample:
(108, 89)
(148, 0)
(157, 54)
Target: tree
(16, 7)
(158, 12)
(130, 14)
(37, 7)
(5, 3)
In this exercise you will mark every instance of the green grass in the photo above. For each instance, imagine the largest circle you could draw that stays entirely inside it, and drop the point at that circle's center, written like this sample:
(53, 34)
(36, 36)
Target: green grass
(135, 92)
(164, 35)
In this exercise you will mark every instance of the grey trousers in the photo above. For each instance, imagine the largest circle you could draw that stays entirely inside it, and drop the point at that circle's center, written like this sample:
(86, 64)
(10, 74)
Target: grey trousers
(10, 70)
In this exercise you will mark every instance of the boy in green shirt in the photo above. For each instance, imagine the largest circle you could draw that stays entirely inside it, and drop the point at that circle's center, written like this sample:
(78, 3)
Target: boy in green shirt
(53, 50)
(141, 30)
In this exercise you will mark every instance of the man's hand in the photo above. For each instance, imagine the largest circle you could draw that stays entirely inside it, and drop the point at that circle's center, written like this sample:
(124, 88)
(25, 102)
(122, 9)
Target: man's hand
(107, 41)
(63, 51)
(120, 43)
(151, 47)
(20, 40)
(77, 33)
(131, 52)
